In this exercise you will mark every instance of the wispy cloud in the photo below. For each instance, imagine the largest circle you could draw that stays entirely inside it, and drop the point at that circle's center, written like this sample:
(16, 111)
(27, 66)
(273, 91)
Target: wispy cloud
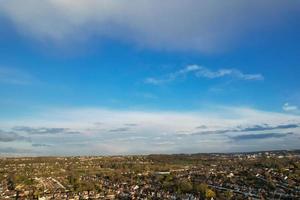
(131, 124)
(41, 145)
(289, 108)
(268, 127)
(234, 73)
(203, 72)
(253, 128)
(14, 76)
(201, 127)
(123, 129)
(207, 25)
(10, 136)
(44, 130)
(260, 136)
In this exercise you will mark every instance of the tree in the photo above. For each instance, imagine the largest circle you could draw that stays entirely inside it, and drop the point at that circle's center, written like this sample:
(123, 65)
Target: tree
(200, 188)
(185, 187)
(88, 186)
(10, 182)
(17, 195)
(210, 194)
(228, 194)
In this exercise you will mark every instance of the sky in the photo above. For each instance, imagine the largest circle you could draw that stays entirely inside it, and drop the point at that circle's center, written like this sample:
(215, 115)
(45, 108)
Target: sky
(106, 77)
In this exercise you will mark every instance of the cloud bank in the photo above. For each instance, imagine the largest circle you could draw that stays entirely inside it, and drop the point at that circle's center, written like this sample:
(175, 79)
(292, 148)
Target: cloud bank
(198, 25)
(223, 129)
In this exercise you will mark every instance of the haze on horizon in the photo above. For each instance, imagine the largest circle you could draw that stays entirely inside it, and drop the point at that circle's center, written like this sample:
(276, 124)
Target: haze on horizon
(100, 77)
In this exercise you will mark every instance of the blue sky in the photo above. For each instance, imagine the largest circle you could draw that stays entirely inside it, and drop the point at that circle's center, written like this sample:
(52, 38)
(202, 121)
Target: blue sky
(132, 77)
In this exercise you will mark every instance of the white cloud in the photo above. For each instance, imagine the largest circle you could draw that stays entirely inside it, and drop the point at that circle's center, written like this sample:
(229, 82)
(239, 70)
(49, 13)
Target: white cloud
(200, 71)
(289, 108)
(175, 130)
(200, 25)
(205, 72)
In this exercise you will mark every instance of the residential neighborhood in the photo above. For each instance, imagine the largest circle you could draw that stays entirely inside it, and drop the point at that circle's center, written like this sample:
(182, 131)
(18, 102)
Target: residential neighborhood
(257, 175)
